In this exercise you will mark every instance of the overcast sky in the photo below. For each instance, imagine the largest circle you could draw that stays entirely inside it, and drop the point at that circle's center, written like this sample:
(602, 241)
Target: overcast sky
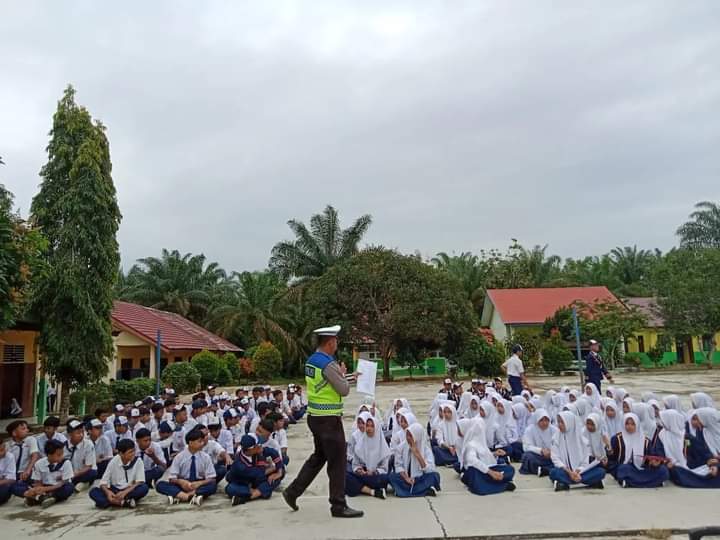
(457, 125)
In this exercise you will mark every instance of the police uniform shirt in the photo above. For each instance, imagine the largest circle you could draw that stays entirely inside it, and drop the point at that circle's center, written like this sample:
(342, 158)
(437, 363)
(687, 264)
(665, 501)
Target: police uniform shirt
(225, 439)
(7, 468)
(42, 439)
(147, 461)
(180, 468)
(50, 474)
(103, 448)
(114, 437)
(121, 476)
(213, 449)
(21, 451)
(81, 455)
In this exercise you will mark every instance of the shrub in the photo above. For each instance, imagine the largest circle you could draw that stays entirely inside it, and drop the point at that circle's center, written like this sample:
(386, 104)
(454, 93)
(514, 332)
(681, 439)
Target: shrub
(132, 390)
(633, 359)
(208, 365)
(556, 357)
(479, 357)
(531, 342)
(95, 396)
(232, 365)
(247, 367)
(224, 377)
(268, 361)
(182, 376)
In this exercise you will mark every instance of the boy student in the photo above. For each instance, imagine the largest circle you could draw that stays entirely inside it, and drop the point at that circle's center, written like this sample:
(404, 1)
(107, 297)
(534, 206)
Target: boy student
(102, 415)
(123, 483)
(134, 422)
(252, 475)
(119, 433)
(279, 435)
(198, 416)
(192, 475)
(165, 441)
(157, 411)
(118, 410)
(223, 437)
(103, 449)
(232, 424)
(50, 432)
(220, 458)
(24, 450)
(51, 476)
(8, 477)
(264, 433)
(80, 452)
(151, 455)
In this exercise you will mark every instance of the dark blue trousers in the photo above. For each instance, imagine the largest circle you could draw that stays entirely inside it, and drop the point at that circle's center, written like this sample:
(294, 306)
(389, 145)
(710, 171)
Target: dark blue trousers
(173, 490)
(153, 475)
(648, 477)
(355, 482)
(481, 483)
(531, 462)
(418, 489)
(101, 501)
(443, 456)
(687, 478)
(5, 493)
(588, 478)
(515, 385)
(87, 477)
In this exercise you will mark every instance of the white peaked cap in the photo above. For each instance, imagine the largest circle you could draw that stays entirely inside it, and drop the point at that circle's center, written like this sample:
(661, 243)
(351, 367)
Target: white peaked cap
(328, 331)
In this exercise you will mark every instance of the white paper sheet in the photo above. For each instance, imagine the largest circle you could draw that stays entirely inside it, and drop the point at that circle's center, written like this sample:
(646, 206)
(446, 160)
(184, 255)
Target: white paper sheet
(366, 382)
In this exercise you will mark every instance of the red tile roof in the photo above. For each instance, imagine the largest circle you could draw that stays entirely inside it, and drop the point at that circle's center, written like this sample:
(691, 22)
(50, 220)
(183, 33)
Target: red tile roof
(533, 306)
(176, 331)
(649, 308)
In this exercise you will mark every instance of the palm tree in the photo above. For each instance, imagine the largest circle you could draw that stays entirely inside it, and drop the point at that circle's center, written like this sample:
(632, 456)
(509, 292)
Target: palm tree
(471, 271)
(316, 249)
(542, 271)
(629, 264)
(182, 284)
(703, 229)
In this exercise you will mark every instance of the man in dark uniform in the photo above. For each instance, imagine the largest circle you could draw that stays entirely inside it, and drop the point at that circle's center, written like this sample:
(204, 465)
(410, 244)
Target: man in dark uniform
(326, 386)
(594, 366)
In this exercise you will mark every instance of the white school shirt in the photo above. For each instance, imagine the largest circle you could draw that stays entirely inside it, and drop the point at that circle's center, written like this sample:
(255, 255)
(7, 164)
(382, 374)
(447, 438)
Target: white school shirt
(7, 468)
(41, 471)
(42, 439)
(147, 461)
(272, 443)
(225, 439)
(81, 455)
(112, 437)
(29, 446)
(213, 449)
(514, 366)
(151, 424)
(103, 448)
(109, 424)
(281, 438)
(254, 424)
(117, 476)
(180, 467)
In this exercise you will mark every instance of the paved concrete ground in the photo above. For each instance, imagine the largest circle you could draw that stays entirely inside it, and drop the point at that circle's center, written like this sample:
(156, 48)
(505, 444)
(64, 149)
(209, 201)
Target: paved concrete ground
(532, 511)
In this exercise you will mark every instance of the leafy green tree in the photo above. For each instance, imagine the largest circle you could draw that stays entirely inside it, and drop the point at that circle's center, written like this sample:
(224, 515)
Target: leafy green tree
(393, 300)
(610, 323)
(208, 365)
(182, 284)
(77, 212)
(474, 273)
(703, 228)
(556, 357)
(232, 365)
(633, 268)
(182, 376)
(319, 247)
(688, 298)
(481, 358)
(267, 360)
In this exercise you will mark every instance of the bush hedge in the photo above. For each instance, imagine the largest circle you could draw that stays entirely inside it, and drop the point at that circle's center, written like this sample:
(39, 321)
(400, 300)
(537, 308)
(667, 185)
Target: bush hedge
(268, 361)
(208, 365)
(182, 376)
(556, 357)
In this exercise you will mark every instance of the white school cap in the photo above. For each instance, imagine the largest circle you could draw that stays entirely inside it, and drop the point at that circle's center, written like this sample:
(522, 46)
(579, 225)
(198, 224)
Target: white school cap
(447, 381)
(328, 331)
(138, 403)
(95, 423)
(74, 424)
(120, 421)
(593, 342)
(119, 408)
(134, 413)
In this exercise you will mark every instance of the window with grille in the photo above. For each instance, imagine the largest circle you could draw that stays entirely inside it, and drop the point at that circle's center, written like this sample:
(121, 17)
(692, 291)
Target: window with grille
(14, 354)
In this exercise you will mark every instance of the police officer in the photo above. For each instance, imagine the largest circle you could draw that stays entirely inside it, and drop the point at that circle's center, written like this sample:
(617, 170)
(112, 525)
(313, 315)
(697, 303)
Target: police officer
(594, 366)
(326, 386)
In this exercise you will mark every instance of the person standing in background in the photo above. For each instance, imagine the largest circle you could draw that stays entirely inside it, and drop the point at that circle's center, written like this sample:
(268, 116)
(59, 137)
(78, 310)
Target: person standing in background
(515, 371)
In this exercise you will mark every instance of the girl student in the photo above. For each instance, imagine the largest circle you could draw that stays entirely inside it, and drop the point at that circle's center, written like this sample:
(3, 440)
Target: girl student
(571, 457)
(446, 436)
(415, 474)
(537, 445)
(631, 461)
(482, 473)
(371, 455)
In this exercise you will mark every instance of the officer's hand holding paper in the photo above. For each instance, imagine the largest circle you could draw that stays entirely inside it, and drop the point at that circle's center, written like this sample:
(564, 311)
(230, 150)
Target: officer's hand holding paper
(367, 374)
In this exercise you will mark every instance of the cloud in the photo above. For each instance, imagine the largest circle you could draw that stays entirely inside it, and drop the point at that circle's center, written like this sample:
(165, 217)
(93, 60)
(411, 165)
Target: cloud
(456, 125)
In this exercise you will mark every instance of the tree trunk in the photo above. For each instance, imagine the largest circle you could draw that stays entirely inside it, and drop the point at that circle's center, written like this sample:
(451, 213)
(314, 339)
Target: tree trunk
(64, 411)
(386, 368)
(711, 353)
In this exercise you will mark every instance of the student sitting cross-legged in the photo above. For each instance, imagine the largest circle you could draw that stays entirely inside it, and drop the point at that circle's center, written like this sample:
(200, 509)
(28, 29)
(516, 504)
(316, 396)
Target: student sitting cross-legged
(371, 454)
(123, 483)
(537, 442)
(23, 449)
(192, 474)
(8, 477)
(570, 455)
(483, 475)
(51, 476)
(253, 473)
(151, 455)
(415, 474)
(103, 449)
(631, 459)
(80, 452)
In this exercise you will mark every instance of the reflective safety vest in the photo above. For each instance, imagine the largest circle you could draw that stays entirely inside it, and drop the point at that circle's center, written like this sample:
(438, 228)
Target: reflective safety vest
(323, 399)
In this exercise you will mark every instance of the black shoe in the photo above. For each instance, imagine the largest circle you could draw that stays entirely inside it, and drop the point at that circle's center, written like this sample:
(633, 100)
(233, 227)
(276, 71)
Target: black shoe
(291, 501)
(599, 485)
(510, 487)
(234, 501)
(431, 492)
(346, 512)
(559, 486)
(379, 494)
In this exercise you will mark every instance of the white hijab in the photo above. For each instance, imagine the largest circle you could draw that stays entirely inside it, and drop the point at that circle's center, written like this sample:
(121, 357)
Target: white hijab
(464, 404)
(620, 395)
(710, 419)
(420, 437)
(463, 427)
(535, 435)
(521, 414)
(701, 399)
(634, 442)
(673, 402)
(647, 396)
(569, 446)
(673, 436)
(399, 436)
(473, 413)
(372, 452)
(475, 447)
(490, 422)
(505, 422)
(614, 425)
(595, 440)
(449, 428)
(594, 397)
(646, 415)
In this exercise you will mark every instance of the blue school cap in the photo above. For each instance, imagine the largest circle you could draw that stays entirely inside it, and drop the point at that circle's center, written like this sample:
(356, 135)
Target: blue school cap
(248, 441)
(199, 404)
(230, 413)
(164, 427)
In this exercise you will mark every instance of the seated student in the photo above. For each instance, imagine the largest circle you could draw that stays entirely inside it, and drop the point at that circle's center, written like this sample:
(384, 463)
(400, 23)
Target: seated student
(254, 473)
(231, 418)
(612, 419)
(571, 456)
(463, 427)
(24, 451)
(598, 442)
(123, 483)
(370, 462)
(295, 403)
(672, 438)
(506, 434)
(165, 441)
(358, 430)
(50, 432)
(482, 474)
(279, 435)
(103, 450)
(264, 432)
(220, 459)
(192, 475)
(157, 410)
(8, 476)
(707, 434)
(446, 436)
(151, 455)
(120, 432)
(51, 476)
(80, 452)
(630, 460)
(537, 444)
(222, 436)
(415, 474)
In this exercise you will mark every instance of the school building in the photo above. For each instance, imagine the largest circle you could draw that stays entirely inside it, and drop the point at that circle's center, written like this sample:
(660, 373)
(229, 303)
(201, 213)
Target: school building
(135, 331)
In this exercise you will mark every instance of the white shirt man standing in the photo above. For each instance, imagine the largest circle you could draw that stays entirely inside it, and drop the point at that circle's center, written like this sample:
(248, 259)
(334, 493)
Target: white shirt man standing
(515, 371)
